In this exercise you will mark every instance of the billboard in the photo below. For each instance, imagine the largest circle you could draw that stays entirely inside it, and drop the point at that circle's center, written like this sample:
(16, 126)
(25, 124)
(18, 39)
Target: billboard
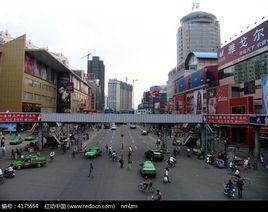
(198, 102)
(63, 97)
(212, 75)
(198, 78)
(247, 45)
(223, 99)
(181, 85)
(264, 85)
(212, 101)
(190, 103)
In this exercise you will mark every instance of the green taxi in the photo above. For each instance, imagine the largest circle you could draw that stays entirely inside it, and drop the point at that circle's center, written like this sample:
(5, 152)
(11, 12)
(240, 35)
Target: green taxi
(93, 152)
(16, 140)
(29, 161)
(147, 168)
(31, 136)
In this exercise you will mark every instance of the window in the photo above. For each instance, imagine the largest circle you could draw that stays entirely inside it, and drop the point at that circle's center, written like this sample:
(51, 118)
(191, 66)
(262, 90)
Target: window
(249, 87)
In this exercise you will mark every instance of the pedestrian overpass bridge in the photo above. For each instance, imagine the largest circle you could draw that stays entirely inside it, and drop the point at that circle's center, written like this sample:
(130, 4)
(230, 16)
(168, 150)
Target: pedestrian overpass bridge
(121, 118)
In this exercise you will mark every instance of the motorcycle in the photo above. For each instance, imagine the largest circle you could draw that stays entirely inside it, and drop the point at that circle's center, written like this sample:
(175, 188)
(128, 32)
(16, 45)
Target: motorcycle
(9, 174)
(188, 152)
(142, 187)
(229, 192)
(171, 163)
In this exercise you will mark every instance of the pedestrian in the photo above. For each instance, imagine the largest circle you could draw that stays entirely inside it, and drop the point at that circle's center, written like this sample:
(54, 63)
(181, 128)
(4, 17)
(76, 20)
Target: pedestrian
(74, 152)
(110, 150)
(166, 174)
(129, 166)
(90, 170)
(262, 160)
(246, 164)
(2, 141)
(121, 161)
(255, 163)
(158, 196)
(249, 161)
(237, 146)
(106, 147)
(13, 154)
(240, 184)
(175, 152)
(3, 151)
(129, 152)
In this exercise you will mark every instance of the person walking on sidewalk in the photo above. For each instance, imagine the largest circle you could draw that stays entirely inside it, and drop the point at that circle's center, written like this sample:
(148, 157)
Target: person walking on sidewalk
(90, 170)
(262, 160)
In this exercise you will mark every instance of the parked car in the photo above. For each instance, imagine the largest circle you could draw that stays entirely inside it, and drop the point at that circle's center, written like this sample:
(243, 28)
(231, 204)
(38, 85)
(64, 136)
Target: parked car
(154, 155)
(147, 168)
(144, 132)
(31, 136)
(29, 161)
(93, 152)
(16, 140)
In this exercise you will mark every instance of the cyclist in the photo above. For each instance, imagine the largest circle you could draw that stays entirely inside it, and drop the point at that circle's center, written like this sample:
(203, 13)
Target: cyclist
(146, 183)
(51, 155)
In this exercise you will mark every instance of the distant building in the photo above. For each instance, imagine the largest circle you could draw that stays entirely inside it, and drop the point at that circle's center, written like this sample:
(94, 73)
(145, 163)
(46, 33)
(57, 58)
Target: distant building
(119, 95)
(200, 32)
(96, 67)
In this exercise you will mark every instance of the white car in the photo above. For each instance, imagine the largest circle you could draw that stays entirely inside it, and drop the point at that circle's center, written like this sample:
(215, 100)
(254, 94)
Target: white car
(132, 126)
(113, 127)
(144, 132)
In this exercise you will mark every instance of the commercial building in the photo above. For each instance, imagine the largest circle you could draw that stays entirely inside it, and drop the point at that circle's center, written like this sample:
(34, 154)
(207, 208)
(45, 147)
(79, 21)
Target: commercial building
(200, 32)
(34, 80)
(97, 69)
(119, 95)
(155, 100)
(243, 67)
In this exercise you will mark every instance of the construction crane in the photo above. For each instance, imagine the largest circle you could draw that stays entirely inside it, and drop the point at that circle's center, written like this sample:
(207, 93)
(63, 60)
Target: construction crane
(87, 55)
(133, 82)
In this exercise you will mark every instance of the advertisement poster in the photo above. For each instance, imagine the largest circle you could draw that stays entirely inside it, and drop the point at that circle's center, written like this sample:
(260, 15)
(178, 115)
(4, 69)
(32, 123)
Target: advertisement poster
(181, 104)
(212, 101)
(187, 82)
(63, 97)
(198, 102)
(264, 83)
(198, 78)
(29, 65)
(223, 100)
(212, 76)
(190, 103)
(181, 85)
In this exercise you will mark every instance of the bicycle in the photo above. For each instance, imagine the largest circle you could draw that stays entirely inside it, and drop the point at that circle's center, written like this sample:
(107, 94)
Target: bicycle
(142, 187)
(246, 180)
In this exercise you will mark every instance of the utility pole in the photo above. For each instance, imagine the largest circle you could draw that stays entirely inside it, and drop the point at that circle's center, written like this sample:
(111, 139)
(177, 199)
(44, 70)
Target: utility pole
(133, 82)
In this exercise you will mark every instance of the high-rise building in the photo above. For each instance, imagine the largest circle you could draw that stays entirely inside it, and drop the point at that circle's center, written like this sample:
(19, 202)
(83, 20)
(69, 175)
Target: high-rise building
(96, 67)
(119, 95)
(199, 32)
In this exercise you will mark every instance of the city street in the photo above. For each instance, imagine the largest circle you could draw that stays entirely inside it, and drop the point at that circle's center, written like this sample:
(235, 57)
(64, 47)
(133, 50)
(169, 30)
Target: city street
(66, 178)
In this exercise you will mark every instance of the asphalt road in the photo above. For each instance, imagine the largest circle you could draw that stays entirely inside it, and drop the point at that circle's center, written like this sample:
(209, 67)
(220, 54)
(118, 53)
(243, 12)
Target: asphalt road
(66, 178)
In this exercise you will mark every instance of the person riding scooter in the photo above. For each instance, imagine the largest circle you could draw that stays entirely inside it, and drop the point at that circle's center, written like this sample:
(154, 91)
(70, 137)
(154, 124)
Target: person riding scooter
(9, 172)
(171, 161)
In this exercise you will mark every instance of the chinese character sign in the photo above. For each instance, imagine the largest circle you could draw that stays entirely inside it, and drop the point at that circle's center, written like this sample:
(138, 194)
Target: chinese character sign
(19, 117)
(245, 46)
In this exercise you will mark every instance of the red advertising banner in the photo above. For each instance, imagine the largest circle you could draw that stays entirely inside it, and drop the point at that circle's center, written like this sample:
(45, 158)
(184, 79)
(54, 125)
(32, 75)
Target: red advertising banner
(227, 119)
(19, 117)
(222, 97)
(247, 45)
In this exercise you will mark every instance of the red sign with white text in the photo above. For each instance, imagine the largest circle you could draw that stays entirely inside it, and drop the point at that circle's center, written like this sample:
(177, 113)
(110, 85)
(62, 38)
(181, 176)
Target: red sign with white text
(247, 45)
(228, 119)
(19, 117)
